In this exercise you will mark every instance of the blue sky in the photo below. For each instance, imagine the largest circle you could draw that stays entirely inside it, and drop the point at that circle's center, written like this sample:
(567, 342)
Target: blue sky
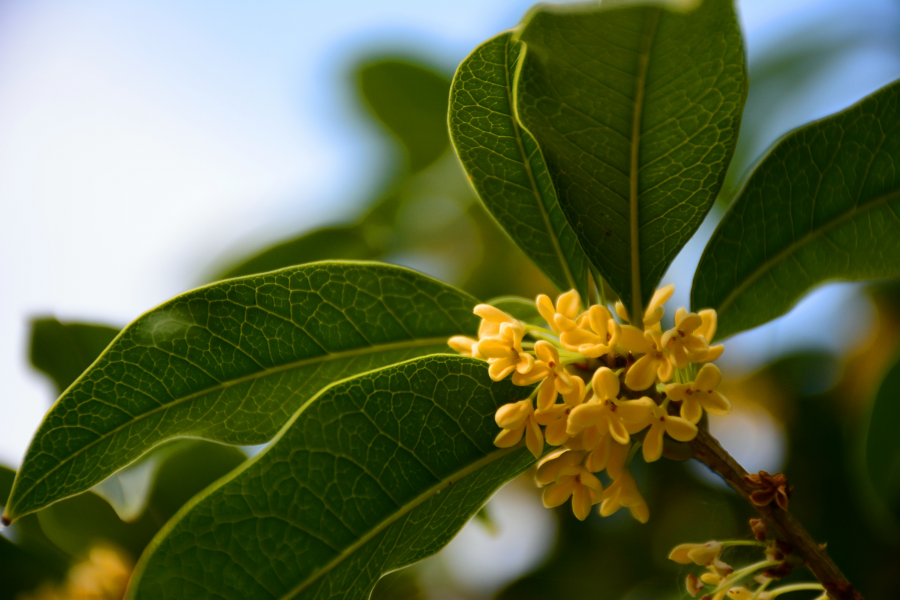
(140, 140)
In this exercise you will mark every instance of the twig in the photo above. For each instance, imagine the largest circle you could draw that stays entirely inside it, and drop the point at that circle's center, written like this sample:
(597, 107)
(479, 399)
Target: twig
(709, 451)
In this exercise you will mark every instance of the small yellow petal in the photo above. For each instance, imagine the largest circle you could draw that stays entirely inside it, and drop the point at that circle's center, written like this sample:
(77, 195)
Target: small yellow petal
(679, 553)
(618, 454)
(710, 322)
(622, 311)
(501, 367)
(534, 439)
(713, 353)
(538, 372)
(547, 352)
(555, 433)
(512, 415)
(653, 442)
(568, 304)
(575, 397)
(605, 383)
(708, 378)
(680, 429)
(581, 502)
(636, 411)
(633, 340)
(660, 297)
(549, 468)
(599, 456)
(691, 410)
(546, 395)
(553, 413)
(495, 315)
(677, 391)
(642, 373)
(545, 307)
(462, 344)
(641, 512)
(509, 437)
(585, 415)
(715, 404)
(556, 494)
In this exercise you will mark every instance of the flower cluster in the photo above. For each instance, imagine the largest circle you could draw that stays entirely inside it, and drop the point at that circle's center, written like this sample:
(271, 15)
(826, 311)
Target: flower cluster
(603, 390)
(722, 581)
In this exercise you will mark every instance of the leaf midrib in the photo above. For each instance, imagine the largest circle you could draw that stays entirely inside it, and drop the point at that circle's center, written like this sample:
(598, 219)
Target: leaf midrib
(805, 239)
(517, 128)
(637, 303)
(10, 513)
(396, 515)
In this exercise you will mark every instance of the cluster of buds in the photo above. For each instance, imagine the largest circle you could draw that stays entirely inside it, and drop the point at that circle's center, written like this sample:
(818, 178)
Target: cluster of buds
(722, 581)
(603, 389)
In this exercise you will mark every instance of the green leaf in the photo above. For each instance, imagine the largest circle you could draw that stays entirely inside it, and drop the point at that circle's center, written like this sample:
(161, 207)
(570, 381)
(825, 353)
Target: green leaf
(883, 443)
(63, 351)
(232, 362)
(410, 101)
(823, 204)
(340, 242)
(506, 166)
(636, 108)
(373, 474)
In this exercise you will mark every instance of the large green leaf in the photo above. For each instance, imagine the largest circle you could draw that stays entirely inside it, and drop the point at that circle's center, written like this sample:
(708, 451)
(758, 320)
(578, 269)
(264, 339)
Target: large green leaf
(636, 108)
(374, 473)
(883, 443)
(410, 100)
(232, 362)
(506, 166)
(823, 204)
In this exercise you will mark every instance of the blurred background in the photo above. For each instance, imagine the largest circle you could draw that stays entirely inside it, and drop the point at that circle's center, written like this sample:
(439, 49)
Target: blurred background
(150, 147)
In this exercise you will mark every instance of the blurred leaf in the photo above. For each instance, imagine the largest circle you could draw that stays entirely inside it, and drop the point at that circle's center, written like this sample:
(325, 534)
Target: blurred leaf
(410, 101)
(883, 443)
(824, 204)
(78, 523)
(506, 166)
(232, 362)
(341, 242)
(489, 524)
(376, 472)
(62, 351)
(521, 308)
(636, 164)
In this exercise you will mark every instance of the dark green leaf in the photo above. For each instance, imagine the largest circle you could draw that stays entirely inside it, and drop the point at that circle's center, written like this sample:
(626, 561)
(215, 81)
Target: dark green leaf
(883, 443)
(506, 166)
(822, 205)
(636, 109)
(410, 100)
(373, 474)
(232, 362)
(341, 242)
(63, 351)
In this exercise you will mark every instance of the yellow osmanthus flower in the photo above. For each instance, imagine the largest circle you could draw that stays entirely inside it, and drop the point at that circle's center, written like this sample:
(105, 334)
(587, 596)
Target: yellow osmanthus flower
(700, 394)
(683, 345)
(606, 411)
(562, 317)
(597, 333)
(504, 353)
(623, 492)
(548, 468)
(517, 419)
(492, 319)
(707, 331)
(549, 367)
(555, 417)
(465, 346)
(700, 554)
(608, 454)
(653, 365)
(661, 422)
(578, 483)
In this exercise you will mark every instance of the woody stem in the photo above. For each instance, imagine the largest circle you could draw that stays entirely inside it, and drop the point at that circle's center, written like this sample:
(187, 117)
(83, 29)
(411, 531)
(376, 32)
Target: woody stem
(709, 451)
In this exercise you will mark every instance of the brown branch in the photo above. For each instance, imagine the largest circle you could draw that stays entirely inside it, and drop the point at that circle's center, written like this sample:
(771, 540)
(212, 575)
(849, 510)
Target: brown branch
(709, 451)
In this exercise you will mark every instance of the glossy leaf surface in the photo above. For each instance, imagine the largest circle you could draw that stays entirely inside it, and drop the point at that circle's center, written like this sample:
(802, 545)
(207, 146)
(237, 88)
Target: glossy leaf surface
(374, 473)
(506, 166)
(636, 108)
(232, 362)
(824, 204)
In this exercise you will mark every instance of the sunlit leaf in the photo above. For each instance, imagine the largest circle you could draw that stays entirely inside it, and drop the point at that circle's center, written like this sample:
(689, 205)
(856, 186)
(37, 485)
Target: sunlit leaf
(636, 108)
(232, 362)
(506, 166)
(823, 204)
(883, 443)
(374, 473)
(410, 100)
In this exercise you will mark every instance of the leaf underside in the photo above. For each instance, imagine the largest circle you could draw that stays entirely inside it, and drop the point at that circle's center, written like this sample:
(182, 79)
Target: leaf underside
(374, 473)
(636, 110)
(231, 362)
(505, 164)
(823, 204)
